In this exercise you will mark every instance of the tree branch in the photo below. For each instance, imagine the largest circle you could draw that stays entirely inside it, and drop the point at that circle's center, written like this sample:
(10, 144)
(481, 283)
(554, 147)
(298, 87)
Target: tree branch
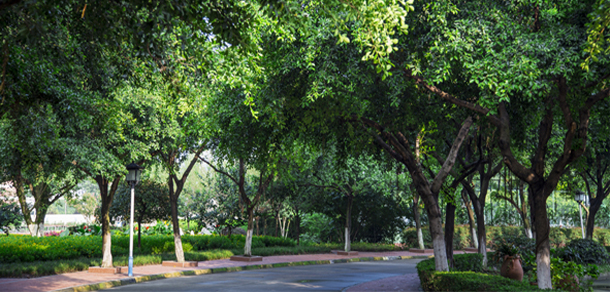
(452, 99)
(218, 170)
(442, 174)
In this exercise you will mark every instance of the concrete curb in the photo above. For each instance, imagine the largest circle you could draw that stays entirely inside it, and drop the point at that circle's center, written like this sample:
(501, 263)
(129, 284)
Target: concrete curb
(140, 279)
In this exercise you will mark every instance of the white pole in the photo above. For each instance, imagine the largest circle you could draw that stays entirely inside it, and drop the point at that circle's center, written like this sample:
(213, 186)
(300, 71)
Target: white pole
(131, 231)
(582, 228)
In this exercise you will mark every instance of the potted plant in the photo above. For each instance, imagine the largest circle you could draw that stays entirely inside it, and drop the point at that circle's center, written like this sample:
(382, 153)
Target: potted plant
(511, 267)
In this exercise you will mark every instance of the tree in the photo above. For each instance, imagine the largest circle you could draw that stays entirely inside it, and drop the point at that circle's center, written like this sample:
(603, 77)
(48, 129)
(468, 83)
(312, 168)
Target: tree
(150, 203)
(595, 176)
(10, 216)
(86, 204)
(249, 200)
(348, 179)
(502, 74)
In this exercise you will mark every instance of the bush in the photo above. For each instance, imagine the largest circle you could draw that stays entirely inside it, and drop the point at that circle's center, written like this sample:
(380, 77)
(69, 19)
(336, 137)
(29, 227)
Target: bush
(526, 247)
(585, 251)
(559, 237)
(471, 281)
(468, 262)
(14, 249)
(466, 277)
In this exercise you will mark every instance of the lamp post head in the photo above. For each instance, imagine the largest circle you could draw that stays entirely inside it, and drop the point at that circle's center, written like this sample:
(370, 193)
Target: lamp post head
(133, 173)
(580, 196)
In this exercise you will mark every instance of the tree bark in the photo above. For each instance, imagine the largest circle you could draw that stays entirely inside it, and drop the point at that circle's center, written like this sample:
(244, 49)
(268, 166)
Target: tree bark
(543, 244)
(248, 245)
(176, 226)
(139, 233)
(449, 230)
(471, 220)
(420, 235)
(348, 217)
(298, 226)
(107, 195)
(591, 220)
(524, 217)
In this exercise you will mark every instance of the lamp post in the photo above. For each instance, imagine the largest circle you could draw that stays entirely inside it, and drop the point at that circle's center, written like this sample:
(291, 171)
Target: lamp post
(579, 197)
(132, 178)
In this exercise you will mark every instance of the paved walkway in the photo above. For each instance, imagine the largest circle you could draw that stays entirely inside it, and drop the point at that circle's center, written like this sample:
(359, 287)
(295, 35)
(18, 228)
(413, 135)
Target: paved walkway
(144, 273)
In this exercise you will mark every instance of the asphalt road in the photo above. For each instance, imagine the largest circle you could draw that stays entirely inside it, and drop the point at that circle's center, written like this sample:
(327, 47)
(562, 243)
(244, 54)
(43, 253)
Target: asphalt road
(333, 277)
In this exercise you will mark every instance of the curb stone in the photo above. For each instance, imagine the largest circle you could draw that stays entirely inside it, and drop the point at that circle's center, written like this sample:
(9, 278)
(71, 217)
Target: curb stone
(140, 279)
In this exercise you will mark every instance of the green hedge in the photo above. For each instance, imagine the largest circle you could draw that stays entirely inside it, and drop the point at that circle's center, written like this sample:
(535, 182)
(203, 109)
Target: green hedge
(461, 239)
(28, 249)
(43, 268)
(466, 276)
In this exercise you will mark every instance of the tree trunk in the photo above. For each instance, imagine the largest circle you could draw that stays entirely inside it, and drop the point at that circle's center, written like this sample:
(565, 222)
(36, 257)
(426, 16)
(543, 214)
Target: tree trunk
(106, 236)
(298, 227)
(176, 225)
(482, 237)
(530, 200)
(526, 222)
(543, 245)
(277, 223)
(438, 243)
(471, 220)
(348, 217)
(248, 245)
(420, 235)
(25, 210)
(257, 233)
(591, 218)
(449, 230)
(107, 192)
(139, 233)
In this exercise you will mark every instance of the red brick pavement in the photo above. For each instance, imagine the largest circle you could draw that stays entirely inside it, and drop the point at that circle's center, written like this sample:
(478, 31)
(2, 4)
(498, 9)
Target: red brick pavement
(56, 282)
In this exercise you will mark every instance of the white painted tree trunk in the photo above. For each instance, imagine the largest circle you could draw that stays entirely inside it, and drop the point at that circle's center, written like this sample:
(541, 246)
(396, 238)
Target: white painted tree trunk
(528, 233)
(106, 251)
(440, 254)
(178, 247)
(282, 226)
(36, 230)
(483, 250)
(248, 246)
(347, 240)
(438, 243)
(420, 238)
(543, 271)
(475, 242)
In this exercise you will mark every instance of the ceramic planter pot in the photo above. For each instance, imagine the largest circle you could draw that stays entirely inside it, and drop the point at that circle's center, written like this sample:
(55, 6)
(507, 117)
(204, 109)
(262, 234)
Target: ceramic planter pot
(511, 268)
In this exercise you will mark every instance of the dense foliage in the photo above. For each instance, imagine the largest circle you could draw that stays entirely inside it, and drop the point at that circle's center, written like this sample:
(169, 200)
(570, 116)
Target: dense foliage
(585, 251)
(10, 216)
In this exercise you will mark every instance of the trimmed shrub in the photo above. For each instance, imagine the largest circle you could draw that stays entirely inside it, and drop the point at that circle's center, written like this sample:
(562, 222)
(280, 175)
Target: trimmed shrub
(471, 281)
(15, 249)
(585, 251)
(468, 262)
(465, 277)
